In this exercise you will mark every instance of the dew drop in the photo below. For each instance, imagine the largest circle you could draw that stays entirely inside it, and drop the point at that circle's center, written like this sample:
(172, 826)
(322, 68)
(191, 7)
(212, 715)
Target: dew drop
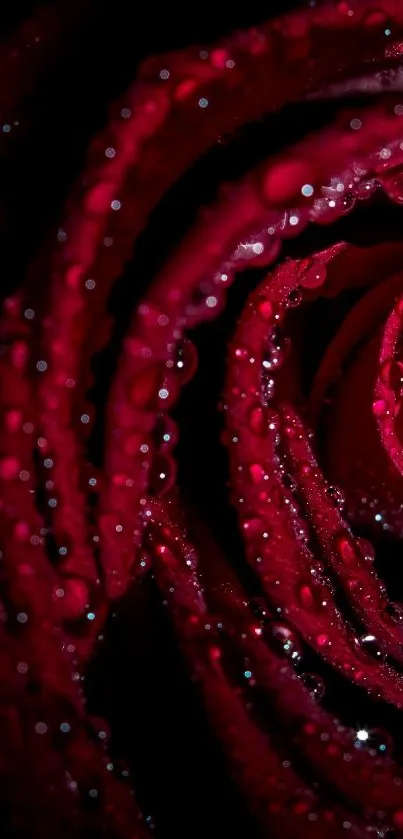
(185, 361)
(366, 548)
(290, 482)
(337, 496)
(384, 832)
(286, 641)
(323, 640)
(162, 474)
(348, 202)
(271, 360)
(392, 374)
(242, 353)
(380, 741)
(302, 532)
(294, 298)
(369, 644)
(392, 183)
(315, 276)
(268, 385)
(259, 609)
(41, 728)
(108, 523)
(379, 407)
(394, 611)
(204, 303)
(165, 433)
(144, 562)
(133, 443)
(257, 473)
(253, 527)
(366, 189)
(314, 684)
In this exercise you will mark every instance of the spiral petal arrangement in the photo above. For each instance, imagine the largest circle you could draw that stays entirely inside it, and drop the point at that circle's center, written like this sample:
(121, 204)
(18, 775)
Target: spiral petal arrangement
(315, 461)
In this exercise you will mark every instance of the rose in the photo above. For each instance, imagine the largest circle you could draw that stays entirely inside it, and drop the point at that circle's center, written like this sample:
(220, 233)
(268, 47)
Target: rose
(320, 590)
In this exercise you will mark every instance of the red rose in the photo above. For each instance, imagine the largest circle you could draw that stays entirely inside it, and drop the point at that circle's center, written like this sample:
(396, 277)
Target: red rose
(294, 643)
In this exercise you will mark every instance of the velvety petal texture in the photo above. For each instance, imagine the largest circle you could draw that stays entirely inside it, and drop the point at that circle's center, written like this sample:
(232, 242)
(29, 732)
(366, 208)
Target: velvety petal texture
(201, 447)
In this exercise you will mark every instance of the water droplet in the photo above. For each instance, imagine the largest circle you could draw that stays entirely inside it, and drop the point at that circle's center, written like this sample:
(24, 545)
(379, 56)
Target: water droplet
(286, 641)
(337, 496)
(294, 298)
(294, 222)
(261, 248)
(392, 375)
(366, 189)
(347, 202)
(366, 549)
(315, 276)
(108, 524)
(379, 407)
(165, 433)
(392, 184)
(268, 385)
(302, 533)
(185, 361)
(259, 609)
(380, 741)
(41, 728)
(323, 640)
(206, 301)
(394, 612)
(370, 645)
(271, 359)
(290, 482)
(162, 474)
(384, 833)
(280, 340)
(253, 527)
(242, 354)
(314, 684)
(257, 473)
(145, 562)
(354, 583)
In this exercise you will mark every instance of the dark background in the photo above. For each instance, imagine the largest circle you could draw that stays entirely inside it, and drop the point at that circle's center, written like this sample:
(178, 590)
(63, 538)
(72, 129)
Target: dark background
(138, 680)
